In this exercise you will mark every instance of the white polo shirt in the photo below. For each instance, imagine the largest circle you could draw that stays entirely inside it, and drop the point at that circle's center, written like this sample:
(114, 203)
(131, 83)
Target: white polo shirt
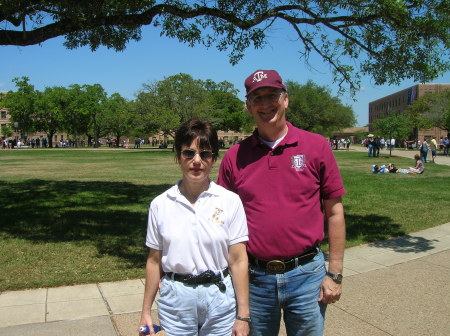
(194, 239)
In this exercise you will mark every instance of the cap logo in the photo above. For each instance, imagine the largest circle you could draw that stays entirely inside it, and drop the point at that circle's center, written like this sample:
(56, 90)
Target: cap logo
(259, 76)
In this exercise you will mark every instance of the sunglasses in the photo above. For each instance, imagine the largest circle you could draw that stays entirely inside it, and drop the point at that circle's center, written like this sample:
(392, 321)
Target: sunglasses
(190, 154)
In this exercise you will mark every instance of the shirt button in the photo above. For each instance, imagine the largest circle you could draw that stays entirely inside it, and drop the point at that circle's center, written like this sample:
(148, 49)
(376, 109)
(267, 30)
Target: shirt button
(272, 153)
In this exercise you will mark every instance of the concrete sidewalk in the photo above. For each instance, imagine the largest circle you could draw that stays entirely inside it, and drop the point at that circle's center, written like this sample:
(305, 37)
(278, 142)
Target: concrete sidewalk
(399, 286)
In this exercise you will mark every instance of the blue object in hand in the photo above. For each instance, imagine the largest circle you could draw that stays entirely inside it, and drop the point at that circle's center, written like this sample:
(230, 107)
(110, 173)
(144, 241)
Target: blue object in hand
(146, 329)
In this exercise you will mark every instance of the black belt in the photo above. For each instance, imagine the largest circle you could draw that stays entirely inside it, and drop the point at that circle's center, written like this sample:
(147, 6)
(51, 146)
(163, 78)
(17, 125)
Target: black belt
(284, 265)
(202, 278)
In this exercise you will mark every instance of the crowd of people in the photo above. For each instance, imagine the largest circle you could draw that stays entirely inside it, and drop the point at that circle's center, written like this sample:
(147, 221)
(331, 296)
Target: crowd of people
(426, 146)
(15, 143)
(340, 143)
(434, 147)
(39, 142)
(374, 144)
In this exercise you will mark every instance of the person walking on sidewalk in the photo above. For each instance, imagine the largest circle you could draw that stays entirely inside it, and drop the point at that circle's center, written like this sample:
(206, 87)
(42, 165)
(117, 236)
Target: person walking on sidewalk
(197, 234)
(434, 149)
(424, 150)
(288, 181)
(446, 146)
(376, 146)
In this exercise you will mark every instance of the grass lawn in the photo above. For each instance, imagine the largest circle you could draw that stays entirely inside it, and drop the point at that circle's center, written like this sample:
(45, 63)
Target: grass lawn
(72, 216)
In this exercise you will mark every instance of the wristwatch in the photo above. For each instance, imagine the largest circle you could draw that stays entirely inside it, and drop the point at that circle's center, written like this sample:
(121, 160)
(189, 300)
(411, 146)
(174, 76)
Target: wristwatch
(336, 277)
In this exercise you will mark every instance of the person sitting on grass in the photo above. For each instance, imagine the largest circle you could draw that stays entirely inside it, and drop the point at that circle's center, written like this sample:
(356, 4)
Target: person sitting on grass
(418, 169)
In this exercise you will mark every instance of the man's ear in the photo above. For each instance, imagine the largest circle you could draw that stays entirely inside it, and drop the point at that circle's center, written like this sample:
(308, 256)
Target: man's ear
(286, 100)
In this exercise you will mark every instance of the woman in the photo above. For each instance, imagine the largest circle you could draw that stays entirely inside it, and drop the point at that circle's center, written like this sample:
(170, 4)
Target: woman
(419, 167)
(424, 150)
(196, 234)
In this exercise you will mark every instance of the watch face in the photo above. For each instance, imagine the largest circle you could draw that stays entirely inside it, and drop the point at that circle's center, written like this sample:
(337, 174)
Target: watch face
(336, 277)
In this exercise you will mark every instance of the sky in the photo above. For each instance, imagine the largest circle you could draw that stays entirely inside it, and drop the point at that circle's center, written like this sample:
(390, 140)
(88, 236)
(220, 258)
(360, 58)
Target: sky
(154, 58)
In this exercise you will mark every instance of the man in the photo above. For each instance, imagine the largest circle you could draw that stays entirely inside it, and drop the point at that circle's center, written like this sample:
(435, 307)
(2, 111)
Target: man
(376, 146)
(288, 181)
(434, 147)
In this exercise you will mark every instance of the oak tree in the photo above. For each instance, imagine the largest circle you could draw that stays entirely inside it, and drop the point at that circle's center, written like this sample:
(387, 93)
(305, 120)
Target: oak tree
(388, 40)
(313, 108)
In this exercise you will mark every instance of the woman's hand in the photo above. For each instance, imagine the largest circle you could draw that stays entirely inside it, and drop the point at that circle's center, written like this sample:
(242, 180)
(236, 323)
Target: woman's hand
(146, 320)
(241, 328)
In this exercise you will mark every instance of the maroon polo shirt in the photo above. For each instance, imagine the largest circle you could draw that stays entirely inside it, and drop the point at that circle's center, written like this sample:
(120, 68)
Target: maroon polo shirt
(282, 190)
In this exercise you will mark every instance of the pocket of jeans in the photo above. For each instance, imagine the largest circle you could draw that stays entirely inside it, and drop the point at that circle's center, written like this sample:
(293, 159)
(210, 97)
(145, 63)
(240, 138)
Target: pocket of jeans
(163, 288)
(168, 293)
(317, 265)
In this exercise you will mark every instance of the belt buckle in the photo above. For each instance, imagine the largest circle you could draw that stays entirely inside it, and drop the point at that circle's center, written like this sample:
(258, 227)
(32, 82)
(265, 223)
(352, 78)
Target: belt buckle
(276, 266)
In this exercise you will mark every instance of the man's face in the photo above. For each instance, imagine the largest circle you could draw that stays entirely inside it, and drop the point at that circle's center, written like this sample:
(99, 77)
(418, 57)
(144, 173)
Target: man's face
(267, 105)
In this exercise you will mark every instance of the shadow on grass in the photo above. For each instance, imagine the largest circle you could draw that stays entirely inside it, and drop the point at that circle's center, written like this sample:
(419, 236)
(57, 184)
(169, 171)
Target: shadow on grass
(111, 216)
(377, 230)
(371, 228)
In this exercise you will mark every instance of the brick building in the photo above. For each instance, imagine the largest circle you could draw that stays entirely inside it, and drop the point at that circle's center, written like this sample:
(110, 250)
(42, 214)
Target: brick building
(399, 101)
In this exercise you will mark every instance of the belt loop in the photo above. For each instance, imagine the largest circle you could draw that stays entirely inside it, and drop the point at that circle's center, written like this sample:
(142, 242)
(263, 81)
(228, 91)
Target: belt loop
(296, 262)
(221, 274)
(172, 276)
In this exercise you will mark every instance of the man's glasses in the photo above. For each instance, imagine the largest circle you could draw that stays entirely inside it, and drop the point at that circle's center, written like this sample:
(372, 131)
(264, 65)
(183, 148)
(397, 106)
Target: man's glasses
(190, 154)
(270, 98)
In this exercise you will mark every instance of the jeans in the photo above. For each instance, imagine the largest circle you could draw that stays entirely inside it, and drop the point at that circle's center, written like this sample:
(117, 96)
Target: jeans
(370, 150)
(200, 310)
(424, 156)
(295, 292)
(376, 151)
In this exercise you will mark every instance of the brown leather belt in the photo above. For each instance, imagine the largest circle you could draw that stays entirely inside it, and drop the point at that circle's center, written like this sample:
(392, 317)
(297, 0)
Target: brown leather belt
(284, 265)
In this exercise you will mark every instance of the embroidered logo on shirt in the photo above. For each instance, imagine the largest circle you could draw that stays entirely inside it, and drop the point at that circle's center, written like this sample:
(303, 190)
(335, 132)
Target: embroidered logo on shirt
(215, 218)
(298, 162)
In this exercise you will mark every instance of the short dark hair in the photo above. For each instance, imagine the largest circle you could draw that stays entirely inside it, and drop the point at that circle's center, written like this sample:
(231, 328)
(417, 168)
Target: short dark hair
(197, 129)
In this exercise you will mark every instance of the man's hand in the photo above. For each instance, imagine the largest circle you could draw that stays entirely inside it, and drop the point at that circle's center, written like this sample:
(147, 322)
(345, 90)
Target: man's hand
(330, 291)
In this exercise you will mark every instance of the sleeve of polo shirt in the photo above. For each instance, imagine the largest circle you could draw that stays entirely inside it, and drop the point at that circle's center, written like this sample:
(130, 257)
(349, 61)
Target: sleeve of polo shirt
(154, 239)
(226, 176)
(331, 180)
(237, 229)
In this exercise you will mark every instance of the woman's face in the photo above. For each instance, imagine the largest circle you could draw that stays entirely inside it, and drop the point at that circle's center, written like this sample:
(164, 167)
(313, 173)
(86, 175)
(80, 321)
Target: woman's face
(195, 163)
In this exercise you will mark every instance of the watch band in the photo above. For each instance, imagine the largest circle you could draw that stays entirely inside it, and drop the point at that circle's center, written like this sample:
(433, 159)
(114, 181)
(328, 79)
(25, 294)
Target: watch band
(245, 319)
(336, 277)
